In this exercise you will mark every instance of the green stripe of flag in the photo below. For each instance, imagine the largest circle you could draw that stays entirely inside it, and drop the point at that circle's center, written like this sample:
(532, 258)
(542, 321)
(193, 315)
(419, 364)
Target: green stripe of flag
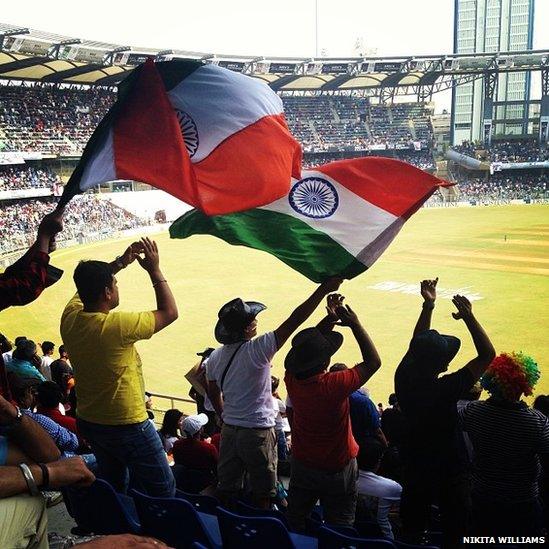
(308, 251)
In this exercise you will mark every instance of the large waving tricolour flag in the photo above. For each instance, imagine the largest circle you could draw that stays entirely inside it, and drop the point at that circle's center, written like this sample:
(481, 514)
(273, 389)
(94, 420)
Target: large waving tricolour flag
(213, 138)
(336, 220)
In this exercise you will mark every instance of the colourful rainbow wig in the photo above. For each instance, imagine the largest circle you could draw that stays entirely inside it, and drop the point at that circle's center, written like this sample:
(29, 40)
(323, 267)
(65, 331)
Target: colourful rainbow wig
(511, 375)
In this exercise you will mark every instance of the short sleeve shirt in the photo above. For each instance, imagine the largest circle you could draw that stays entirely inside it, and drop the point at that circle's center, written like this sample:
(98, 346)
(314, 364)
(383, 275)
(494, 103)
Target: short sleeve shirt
(247, 397)
(321, 429)
(107, 367)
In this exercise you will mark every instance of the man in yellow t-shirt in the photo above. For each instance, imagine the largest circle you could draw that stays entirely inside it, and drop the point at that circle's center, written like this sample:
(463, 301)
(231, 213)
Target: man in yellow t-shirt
(111, 410)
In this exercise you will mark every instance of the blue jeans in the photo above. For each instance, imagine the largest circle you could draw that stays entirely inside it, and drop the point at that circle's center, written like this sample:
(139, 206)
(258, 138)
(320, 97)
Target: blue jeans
(130, 454)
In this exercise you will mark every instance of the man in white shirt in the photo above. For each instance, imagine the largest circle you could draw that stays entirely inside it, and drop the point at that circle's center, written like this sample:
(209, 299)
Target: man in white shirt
(239, 387)
(376, 493)
(47, 359)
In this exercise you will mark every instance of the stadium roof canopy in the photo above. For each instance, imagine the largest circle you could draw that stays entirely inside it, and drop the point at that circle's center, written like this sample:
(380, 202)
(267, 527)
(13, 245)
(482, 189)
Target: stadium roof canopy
(31, 55)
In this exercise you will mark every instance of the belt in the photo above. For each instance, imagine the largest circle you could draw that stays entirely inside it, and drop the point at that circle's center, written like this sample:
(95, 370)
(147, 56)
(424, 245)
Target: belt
(238, 427)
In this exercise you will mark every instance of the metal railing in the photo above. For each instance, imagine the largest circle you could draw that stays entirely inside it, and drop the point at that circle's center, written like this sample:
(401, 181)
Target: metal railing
(160, 411)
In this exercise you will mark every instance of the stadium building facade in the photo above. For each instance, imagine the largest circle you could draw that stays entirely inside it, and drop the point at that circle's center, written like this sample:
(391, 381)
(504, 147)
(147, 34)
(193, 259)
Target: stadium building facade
(483, 108)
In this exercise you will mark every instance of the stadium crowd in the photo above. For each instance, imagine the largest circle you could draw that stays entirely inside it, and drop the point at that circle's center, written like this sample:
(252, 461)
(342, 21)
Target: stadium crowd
(436, 465)
(503, 187)
(85, 216)
(523, 150)
(14, 178)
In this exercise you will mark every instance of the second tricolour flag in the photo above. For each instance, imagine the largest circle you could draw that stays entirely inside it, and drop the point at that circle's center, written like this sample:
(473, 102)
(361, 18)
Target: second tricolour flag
(200, 132)
(336, 220)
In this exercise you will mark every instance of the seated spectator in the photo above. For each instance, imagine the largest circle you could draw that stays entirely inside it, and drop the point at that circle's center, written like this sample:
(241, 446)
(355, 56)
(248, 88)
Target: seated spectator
(28, 464)
(433, 451)
(24, 393)
(542, 404)
(365, 421)
(49, 399)
(47, 359)
(324, 451)
(377, 494)
(509, 439)
(6, 348)
(61, 371)
(25, 362)
(194, 457)
(169, 432)
(393, 425)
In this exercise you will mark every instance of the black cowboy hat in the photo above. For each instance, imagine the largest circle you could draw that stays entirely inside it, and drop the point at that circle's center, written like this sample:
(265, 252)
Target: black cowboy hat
(310, 349)
(432, 348)
(233, 317)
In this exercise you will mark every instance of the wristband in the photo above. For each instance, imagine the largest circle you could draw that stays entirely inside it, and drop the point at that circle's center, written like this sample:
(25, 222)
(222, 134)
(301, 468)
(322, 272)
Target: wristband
(29, 479)
(429, 305)
(159, 282)
(45, 476)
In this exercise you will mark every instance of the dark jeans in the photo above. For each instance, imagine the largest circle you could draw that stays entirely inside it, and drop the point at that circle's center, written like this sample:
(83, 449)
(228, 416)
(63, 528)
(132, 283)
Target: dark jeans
(420, 489)
(506, 518)
(130, 454)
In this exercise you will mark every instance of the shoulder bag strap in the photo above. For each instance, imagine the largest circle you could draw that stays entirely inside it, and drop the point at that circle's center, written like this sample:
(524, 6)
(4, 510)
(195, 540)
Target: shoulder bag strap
(228, 366)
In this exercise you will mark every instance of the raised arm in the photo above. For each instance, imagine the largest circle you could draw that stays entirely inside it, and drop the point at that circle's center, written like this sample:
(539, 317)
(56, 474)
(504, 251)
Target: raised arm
(333, 301)
(31, 439)
(305, 310)
(371, 361)
(483, 345)
(166, 307)
(429, 294)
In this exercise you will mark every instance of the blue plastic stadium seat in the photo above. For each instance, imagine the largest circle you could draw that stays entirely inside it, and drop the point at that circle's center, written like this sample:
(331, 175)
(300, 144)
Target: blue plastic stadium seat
(173, 521)
(249, 511)
(330, 539)
(99, 509)
(240, 532)
(203, 504)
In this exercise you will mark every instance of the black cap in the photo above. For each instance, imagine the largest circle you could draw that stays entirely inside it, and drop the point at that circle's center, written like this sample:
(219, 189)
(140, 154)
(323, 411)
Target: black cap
(310, 349)
(234, 316)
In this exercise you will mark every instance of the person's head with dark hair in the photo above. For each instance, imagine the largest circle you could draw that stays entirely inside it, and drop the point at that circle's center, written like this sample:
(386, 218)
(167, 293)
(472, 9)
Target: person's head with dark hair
(48, 394)
(542, 404)
(25, 350)
(170, 423)
(370, 454)
(19, 339)
(393, 400)
(63, 353)
(275, 382)
(23, 389)
(96, 285)
(338, 367)
(5, 344)
(47, 348)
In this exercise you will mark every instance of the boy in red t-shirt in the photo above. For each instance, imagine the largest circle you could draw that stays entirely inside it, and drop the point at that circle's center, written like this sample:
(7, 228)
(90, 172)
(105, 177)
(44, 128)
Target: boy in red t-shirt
(323, 448)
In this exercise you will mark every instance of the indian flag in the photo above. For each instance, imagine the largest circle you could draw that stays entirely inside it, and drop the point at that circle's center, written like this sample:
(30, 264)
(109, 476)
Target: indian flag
(199, 132)
(335, 221)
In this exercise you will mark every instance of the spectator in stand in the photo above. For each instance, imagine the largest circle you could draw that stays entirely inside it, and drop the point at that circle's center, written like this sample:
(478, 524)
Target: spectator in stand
(47, 359)
(61, 371)
(111, 413)
(25, 362)
(241, 372)
(542, 404)
(323, 464)
(195, 459)
(509, 439)
(169, 432)
(49, 398)
(24, 393)
(149, 406)
(28, 463)
(393, 426)
(433, 451)
(377, 494)
(280, 413)
(198, 392)
(365, 421)
(6, 348)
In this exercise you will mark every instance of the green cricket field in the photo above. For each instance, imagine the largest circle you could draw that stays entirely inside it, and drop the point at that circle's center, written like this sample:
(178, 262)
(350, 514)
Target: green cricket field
(496, 255)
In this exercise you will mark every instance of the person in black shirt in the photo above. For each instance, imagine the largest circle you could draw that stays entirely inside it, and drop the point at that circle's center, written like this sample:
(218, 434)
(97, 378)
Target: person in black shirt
(433, 452)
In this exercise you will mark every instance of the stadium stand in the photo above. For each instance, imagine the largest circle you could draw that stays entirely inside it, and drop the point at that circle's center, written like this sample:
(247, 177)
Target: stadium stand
(27, 177)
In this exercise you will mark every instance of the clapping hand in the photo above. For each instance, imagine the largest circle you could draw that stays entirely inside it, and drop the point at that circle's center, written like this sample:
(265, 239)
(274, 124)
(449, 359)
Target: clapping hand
(429, 289)
(463, 306)
(151, 260)
(130, 253)
(333, 301)
(347, 317)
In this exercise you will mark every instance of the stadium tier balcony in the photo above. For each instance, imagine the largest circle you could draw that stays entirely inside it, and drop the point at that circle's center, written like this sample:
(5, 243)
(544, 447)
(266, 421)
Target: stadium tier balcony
(527, 150)
(85, 215)
(17, 178)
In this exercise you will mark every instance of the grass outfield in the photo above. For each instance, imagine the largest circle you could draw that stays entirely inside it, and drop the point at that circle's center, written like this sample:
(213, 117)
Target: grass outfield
(498, 254)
